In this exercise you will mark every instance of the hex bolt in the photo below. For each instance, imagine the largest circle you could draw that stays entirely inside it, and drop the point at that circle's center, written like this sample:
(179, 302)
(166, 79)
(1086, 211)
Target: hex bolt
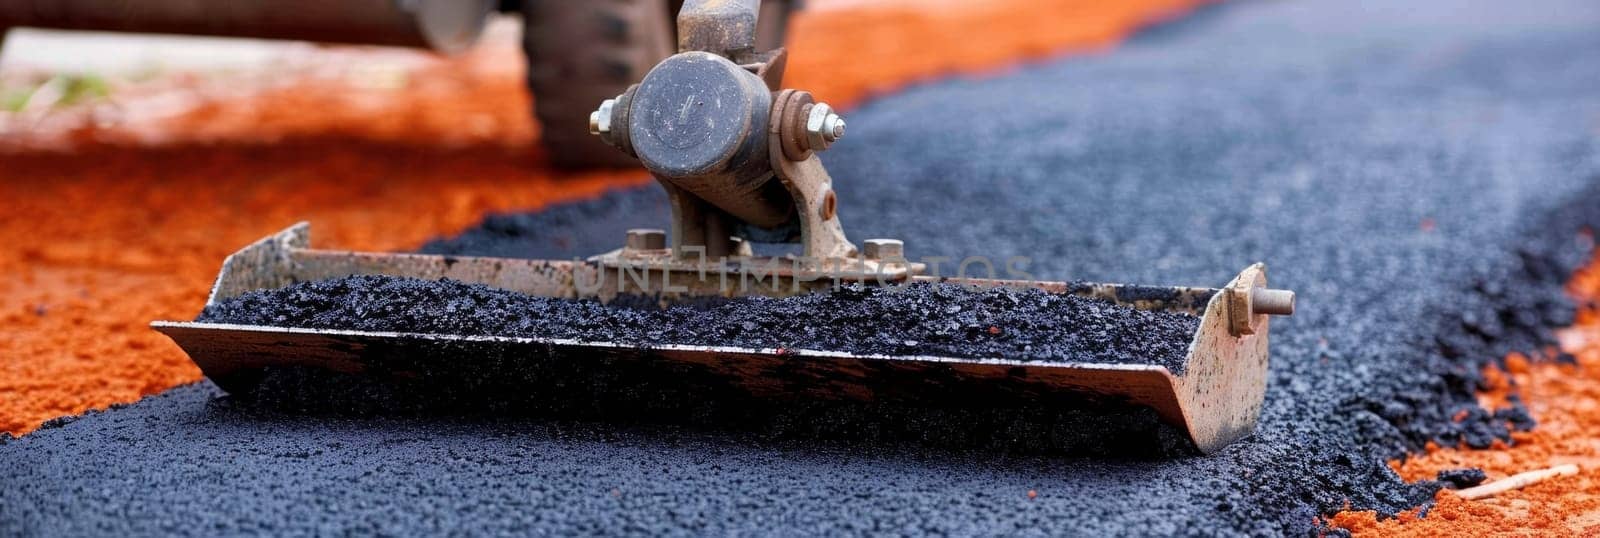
(600, 120)
(823, 127)
(884, 249)
(1272, 302)
(647, 239)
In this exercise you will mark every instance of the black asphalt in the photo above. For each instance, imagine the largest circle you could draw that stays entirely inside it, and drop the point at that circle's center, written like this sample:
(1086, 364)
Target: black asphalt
(944, 320)
(1418, 172)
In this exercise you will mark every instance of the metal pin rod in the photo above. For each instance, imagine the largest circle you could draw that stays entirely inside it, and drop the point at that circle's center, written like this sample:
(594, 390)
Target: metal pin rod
(1272, 302)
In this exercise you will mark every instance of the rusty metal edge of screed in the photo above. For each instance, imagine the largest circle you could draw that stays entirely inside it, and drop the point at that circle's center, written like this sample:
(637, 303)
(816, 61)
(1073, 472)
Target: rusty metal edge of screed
(1216, 400)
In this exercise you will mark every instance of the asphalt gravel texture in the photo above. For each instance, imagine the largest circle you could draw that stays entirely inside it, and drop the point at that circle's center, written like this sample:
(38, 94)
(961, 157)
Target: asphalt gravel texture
(941, 320)
(1420, 173)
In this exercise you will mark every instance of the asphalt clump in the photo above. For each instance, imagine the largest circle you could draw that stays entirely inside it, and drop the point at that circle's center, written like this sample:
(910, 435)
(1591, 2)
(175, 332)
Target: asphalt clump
(1462, 478)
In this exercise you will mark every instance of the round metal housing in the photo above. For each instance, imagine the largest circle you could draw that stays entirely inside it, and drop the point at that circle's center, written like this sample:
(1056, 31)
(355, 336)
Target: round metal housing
(700, 122)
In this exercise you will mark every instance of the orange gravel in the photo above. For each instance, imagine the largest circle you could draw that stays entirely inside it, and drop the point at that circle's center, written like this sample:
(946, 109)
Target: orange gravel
(1566, 401)
(873, 50)
(125, 214)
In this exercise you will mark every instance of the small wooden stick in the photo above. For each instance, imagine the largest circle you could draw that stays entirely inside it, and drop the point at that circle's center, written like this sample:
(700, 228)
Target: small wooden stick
(1517, 481)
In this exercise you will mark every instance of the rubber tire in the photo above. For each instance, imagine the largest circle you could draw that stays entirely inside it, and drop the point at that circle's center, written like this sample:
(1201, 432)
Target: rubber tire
(580, 53)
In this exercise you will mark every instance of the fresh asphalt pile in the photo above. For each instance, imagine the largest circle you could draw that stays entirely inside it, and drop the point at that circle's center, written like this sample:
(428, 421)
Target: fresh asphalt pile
(1419, 174)
(924, 319)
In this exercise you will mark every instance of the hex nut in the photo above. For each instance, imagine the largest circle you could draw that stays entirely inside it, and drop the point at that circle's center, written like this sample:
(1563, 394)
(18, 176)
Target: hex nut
(600, 120)
(884, 249)
(647, 239)
(823, 127)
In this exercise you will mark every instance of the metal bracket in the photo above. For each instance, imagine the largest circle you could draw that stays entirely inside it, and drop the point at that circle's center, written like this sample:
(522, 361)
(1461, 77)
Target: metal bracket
(821, 233)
